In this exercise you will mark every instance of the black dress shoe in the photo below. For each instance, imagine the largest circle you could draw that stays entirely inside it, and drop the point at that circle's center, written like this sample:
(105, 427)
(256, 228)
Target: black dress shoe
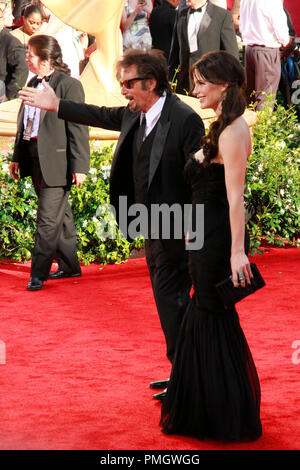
(160, 396)
(34, 284)
(60, 274)
(159, 384)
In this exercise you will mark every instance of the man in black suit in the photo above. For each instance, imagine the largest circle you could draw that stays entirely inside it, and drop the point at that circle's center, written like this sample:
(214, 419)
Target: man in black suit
(148, 171)
(54, 154)
(161, 24)
(201, 27)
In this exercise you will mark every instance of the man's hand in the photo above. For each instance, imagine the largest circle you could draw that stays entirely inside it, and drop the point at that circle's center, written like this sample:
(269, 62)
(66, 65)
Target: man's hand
(14, 170)
(78, 179)
(44, 99)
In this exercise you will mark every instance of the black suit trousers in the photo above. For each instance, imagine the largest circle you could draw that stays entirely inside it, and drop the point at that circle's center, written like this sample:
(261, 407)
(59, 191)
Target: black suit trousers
(55, 236)
(171, 284)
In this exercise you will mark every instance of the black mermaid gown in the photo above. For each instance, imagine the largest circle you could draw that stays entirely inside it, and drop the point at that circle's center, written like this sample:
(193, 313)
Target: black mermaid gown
(214, 389)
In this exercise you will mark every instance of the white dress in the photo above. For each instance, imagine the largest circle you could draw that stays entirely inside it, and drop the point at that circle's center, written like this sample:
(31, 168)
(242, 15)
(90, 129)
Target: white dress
(138, 35)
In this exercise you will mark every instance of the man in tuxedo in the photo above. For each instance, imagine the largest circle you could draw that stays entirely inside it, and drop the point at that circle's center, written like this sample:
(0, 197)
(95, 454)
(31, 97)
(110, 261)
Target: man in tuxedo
(161, 24)
(201, 27)
(147, 170)
(54, 154)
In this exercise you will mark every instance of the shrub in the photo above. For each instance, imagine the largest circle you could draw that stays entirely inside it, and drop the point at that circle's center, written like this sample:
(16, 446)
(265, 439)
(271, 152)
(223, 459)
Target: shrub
(273, 176)
(90, 221)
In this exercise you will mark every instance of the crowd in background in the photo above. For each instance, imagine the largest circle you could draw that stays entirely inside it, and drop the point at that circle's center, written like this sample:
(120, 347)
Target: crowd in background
(160, 24)
(21, 19)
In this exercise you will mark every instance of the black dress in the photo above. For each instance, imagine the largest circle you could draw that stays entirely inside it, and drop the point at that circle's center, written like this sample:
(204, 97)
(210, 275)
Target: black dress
(214, 389)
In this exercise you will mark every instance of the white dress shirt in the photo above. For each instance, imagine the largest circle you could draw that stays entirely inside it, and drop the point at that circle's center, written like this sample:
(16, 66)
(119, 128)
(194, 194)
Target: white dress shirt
(263, 22)
(153, 114)
(194, 22)
(220, 3)
(30, 112)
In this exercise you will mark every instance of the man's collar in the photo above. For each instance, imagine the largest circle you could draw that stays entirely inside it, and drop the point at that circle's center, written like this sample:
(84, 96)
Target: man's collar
(155, 108)
(199, 9)
(47, 76)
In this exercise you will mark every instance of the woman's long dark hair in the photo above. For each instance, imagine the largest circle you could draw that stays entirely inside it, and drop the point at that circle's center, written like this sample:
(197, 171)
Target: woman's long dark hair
(220, 67)
(47, 48)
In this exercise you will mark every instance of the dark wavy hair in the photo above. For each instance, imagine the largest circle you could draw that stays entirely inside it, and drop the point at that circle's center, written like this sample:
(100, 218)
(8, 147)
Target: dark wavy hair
(220, 67)
(47, 48)
(149, 64)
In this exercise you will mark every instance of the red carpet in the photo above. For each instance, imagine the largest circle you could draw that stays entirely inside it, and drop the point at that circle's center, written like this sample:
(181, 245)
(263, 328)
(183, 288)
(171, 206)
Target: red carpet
(81, 353)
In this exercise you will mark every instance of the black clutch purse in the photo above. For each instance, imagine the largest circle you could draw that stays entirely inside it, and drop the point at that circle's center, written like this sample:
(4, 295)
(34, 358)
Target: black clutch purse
(230, 295)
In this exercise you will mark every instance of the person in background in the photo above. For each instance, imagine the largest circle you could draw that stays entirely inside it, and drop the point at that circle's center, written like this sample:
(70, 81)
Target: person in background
(263, 27)
(235, 11)
(18, 7)
(32, 23)
(134, 24)
(161, 24)
(214, 390)
(13, 66)
(289, 70)
(199, 28)
(8, 14)
(55, 154)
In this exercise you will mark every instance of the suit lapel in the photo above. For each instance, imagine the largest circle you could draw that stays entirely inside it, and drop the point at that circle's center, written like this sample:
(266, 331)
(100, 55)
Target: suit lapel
(206, 20)
(184, 40)
(20, 118)
(129, 122)
(53, 82)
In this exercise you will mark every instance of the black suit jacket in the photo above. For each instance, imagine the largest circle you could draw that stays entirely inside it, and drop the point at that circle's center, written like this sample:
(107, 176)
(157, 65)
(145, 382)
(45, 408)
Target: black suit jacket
(178, 134)
(13, 66)
(63, 147)
(161, 24)
(216, 33)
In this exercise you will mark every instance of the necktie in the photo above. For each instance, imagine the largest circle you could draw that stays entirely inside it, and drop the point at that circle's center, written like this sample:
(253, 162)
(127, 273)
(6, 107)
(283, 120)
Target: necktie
(37, 80)
(46, 78)
(140, 134)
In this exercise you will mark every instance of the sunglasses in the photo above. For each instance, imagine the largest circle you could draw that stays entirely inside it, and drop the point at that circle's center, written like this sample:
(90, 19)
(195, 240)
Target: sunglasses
(129, 83)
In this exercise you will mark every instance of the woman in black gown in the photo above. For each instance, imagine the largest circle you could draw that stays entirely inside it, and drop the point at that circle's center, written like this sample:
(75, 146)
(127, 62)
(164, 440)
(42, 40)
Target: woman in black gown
(214, 388)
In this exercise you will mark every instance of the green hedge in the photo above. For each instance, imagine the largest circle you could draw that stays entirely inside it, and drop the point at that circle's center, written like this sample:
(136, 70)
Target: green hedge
(272, 196)
(273, 179)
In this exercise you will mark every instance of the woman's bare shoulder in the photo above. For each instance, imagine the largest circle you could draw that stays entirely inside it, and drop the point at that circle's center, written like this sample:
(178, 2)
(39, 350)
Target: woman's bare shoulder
(238, 127)
(236, 133)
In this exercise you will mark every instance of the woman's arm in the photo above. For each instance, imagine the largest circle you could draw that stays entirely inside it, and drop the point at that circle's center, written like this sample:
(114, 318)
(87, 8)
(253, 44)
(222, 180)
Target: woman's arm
(234, 148)
(127, 21)
(148, 7)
